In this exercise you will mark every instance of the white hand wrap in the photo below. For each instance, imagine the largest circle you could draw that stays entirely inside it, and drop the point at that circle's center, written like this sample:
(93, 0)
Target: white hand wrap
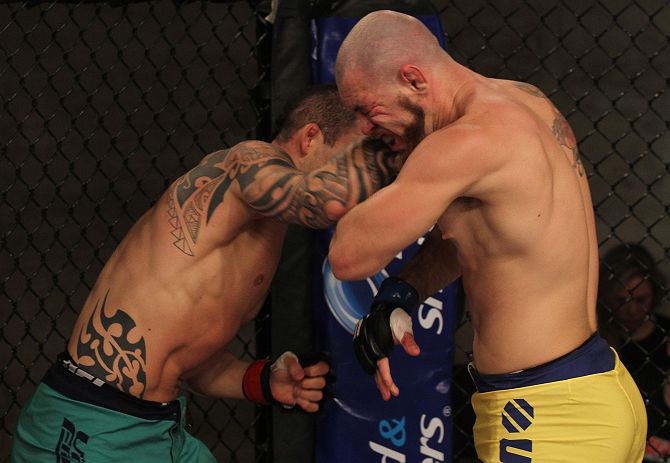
(401, 323)
(280, 365)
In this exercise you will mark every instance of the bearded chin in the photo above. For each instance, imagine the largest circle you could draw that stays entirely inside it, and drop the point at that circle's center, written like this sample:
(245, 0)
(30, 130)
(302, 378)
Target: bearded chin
(415, 132)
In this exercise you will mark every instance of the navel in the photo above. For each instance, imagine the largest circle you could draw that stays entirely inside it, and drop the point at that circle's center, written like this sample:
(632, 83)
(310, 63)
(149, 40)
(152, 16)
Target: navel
(259, 279)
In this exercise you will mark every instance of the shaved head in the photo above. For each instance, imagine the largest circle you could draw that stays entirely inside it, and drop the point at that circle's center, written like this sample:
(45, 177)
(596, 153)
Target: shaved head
(382, 42)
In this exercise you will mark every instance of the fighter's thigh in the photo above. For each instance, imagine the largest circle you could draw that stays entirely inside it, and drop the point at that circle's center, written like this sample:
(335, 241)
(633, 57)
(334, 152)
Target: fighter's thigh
(52, 427)
(577, 420)
(195, 451)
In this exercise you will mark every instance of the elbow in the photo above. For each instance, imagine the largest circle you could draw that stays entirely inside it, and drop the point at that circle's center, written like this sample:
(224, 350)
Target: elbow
(344, 266)
(342, 269)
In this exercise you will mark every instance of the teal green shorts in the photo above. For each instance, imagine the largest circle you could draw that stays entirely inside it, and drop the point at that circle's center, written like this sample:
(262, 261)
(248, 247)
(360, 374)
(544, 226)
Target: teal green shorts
(69, 418)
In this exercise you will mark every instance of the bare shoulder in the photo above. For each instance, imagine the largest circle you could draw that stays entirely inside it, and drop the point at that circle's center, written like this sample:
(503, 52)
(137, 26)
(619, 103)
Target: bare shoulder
(516, 115)
(555, 121)
(193, 200)
(493, 124)
(529, 89)
(217, 170)
(479, 151)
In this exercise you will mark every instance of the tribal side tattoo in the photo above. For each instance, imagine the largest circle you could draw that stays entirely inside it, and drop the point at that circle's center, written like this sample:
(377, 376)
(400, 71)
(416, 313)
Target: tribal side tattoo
(272, 185)
(113, 349)
(560, 128)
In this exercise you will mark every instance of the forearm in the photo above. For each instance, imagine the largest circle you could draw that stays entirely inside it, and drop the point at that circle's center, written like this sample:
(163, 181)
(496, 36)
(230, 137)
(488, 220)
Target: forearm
(433, 266)
(356, 251)
(355, 174)
(222, 379)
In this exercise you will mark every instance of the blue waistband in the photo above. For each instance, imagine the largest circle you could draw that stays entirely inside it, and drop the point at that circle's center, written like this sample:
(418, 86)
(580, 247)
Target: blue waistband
(592, 357)
(66, 378)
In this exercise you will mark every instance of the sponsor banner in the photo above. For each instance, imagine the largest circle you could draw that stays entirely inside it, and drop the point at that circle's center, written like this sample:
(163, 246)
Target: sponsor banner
(360, 425)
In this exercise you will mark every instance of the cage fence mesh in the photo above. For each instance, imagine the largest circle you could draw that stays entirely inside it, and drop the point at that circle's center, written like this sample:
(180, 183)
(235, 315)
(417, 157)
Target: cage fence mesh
(104, 105)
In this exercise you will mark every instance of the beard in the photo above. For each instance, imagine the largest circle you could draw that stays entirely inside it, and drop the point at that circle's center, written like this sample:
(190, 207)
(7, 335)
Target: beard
(415, 132)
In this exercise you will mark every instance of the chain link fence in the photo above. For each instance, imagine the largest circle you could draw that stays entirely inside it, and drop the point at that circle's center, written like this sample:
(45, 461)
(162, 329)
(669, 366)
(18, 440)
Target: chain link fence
(105, 104)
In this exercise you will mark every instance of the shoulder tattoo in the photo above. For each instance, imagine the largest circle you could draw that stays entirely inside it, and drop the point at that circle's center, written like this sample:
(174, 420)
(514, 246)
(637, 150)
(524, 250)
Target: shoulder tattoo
(561, 128)
(113, 349)
(566, 137)
(271, 184)
(530, 89)
(193, 198)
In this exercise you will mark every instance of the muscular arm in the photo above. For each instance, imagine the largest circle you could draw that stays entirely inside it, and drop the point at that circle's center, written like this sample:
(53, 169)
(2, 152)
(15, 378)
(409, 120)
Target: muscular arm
(433, 266)
(371, 235)
(221, 378)
(270, 184)
(318, 198)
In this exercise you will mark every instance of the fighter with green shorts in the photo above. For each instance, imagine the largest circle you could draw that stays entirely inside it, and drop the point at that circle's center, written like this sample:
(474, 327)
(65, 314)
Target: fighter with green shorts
(81, 418)
(193, 270)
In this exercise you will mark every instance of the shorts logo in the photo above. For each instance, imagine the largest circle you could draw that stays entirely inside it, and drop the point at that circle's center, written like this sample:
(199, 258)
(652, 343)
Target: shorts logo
(518, 446)
(517, 416)
(67, 450)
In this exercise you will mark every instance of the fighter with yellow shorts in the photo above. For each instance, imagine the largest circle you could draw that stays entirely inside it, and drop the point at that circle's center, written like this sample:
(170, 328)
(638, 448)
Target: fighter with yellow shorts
(583, 407)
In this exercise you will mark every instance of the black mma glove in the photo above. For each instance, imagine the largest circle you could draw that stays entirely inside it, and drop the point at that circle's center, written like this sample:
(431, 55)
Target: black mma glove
(312, 358)
(373, 336)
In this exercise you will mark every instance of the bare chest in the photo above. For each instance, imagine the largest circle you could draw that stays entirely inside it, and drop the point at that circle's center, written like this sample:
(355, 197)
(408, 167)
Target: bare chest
(461, 215)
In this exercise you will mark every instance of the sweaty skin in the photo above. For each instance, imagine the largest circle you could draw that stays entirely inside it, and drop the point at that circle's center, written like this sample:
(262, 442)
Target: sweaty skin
(198, 265)
(497, 176)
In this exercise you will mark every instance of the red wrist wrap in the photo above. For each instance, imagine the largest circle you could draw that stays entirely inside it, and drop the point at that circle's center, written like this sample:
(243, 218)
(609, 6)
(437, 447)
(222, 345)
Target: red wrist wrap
(251, 384)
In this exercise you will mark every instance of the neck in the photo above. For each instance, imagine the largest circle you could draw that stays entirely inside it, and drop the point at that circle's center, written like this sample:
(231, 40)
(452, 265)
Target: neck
(452, 93)
(288, 147)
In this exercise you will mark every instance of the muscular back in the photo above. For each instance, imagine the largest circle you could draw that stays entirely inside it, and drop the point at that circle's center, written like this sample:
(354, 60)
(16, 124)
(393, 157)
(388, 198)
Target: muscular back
(525, 234)
(198, 264)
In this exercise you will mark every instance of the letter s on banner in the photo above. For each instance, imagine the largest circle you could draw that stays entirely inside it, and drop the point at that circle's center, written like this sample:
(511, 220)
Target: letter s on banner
(428, 432)
(435, 313)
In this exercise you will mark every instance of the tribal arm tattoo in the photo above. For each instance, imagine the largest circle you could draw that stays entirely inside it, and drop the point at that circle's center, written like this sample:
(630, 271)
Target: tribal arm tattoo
(560, 128)
(189, 197)
(272, 185)
(113, 349)
(292, 196)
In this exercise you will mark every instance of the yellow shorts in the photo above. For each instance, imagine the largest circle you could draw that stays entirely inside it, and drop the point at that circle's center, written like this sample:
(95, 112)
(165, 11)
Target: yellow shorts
(582, 408)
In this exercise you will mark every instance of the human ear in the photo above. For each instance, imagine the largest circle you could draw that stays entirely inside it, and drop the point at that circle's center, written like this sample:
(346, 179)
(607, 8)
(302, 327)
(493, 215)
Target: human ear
(308, 136)
(413, 75)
